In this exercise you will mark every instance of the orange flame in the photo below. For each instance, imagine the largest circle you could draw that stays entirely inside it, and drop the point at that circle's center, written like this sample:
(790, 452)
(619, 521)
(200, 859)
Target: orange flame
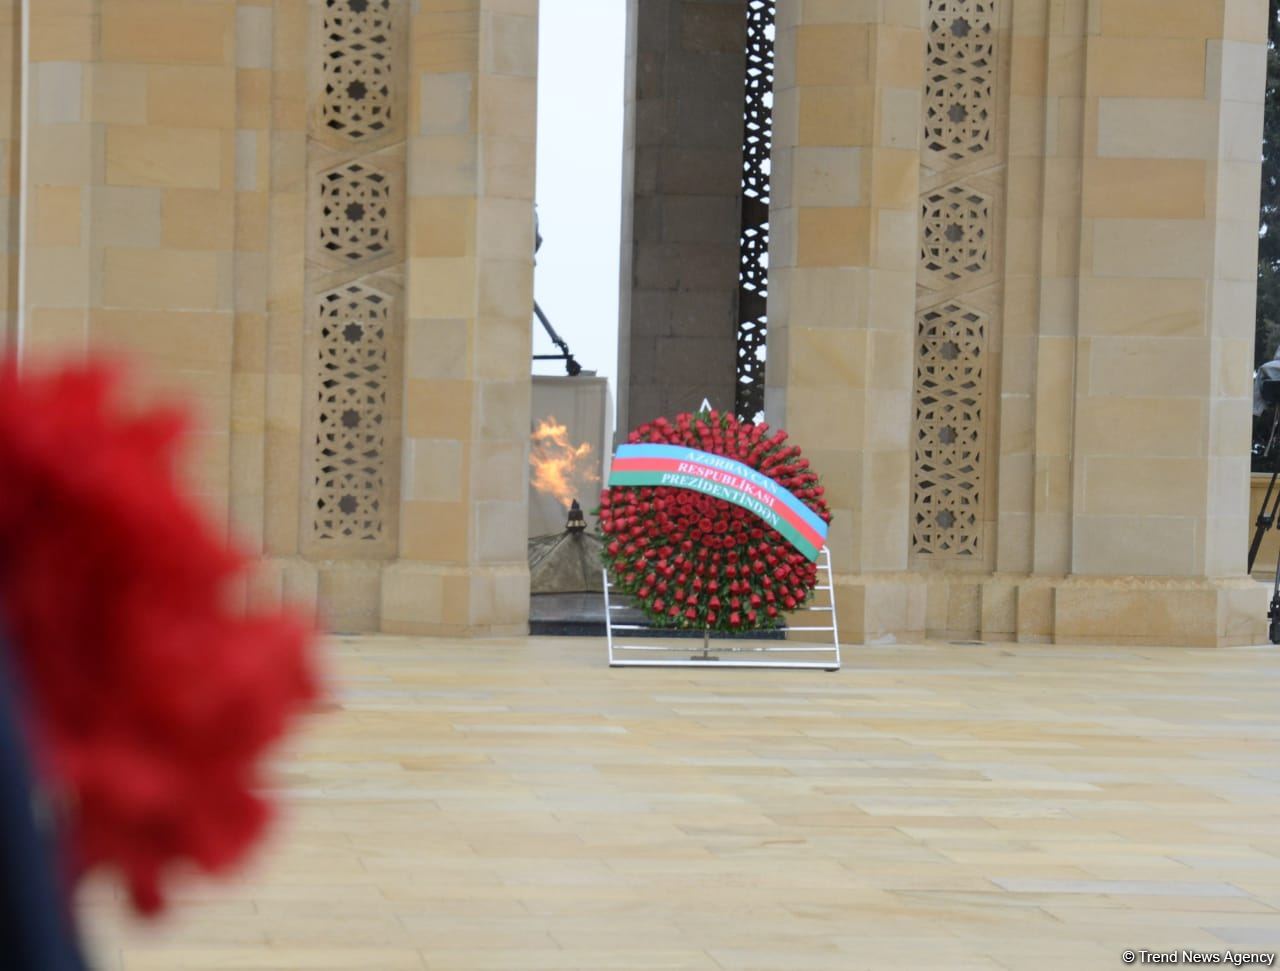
(560, 469)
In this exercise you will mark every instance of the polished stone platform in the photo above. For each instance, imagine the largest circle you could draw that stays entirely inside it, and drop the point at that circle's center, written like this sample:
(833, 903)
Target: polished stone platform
(516, 804)
(582, 615)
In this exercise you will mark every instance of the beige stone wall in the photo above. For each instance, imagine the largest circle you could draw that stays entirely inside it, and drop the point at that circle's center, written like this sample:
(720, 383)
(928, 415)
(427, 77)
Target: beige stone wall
(469, 286)
(1111, 451)
(10, 163)
(1094, 250)
(132, 168)
(191, 203)
(1171, 115)
(843, 254)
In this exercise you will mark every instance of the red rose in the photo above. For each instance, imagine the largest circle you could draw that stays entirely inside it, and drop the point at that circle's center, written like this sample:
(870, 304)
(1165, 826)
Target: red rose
(734, 551)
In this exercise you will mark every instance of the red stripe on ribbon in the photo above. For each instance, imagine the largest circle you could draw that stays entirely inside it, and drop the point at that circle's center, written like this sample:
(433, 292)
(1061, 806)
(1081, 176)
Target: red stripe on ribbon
(650, 464)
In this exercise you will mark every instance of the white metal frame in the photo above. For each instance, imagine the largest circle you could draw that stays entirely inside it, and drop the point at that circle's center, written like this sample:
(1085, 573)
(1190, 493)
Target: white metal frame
(659, 652)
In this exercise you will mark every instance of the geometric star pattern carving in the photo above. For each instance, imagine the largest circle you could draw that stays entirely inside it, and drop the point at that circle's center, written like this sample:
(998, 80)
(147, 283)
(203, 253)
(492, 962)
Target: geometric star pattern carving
(955, 231)
(355, 216)
(355, 252)
(351, 428)
(958, 265)
(950, 387)
(753, 239)
(959, 102)
(357, 68)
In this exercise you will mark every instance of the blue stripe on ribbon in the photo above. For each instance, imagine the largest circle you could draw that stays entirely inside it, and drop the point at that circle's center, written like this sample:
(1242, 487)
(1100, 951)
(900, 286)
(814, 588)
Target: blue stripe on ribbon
(683, 453)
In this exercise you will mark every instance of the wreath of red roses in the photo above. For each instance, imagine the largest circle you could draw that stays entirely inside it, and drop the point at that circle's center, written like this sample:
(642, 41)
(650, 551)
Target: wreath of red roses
(697, 562)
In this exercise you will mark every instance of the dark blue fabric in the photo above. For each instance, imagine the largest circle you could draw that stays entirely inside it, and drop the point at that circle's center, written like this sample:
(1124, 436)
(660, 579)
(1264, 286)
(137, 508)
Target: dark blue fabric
(36, 932)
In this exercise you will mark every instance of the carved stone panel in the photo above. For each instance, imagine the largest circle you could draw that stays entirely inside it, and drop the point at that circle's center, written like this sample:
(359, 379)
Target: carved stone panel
(358, 64)
(949, 440)
(359, 334)
(355, 257)
(753, 243)
(960, 66)
(958, 281)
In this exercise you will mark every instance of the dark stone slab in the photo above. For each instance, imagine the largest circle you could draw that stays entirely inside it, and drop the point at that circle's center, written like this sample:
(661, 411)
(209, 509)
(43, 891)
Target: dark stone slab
(582, 615)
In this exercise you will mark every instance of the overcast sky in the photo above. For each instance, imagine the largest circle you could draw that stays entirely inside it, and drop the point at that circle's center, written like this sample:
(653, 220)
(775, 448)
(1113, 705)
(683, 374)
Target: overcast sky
(580, 103)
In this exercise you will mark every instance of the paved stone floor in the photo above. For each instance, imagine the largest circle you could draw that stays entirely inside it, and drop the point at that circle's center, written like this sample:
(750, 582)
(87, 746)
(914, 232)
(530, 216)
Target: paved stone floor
(516, 804)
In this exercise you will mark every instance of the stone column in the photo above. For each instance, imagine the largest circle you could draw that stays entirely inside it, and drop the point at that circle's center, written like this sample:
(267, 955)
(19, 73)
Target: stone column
(843, 256)
(681, 206)
(10, 152)
(60, 142)
(469, 290)
(1172, 125)
(131, 200)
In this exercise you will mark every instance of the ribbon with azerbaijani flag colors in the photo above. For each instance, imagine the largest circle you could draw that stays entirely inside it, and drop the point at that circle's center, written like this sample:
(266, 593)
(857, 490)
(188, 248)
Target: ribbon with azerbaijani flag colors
(724, 478)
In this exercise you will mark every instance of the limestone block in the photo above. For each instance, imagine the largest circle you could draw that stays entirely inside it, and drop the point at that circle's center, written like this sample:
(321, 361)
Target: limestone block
(1164, 128)
(938, 606)
(57, 216)
(1034, 613)
(999, 610)
(57, 278)
(254, 36)
(503, 407)
(1143, 307)
(507, 165)
(1144, 366)
(873, 608)
(161, 279)
(506, 285)
(1173, 427)
(832, 54)
(64, 33)
(834, 236)
(435, 532)
(253, 98)
(64, 155)
(500, 530)
(126, 217)
(191, 97)
(350, 595)
(495, 466)
(149, 156)
(198, 219)
(1148, 67)
(509, 45)
(1146, 248)
(1143, 486)
(1136, 545)
(57, 92)
(1155, 612)
(437, 349)
(443, 165)
(437, 409)
(412, 593)
(434, 469)
(1192, 19)
(837, 116)
(442, 288)
(1127, 188)
(158, 31)
(964, 608)
(432, 600)
(284, 581)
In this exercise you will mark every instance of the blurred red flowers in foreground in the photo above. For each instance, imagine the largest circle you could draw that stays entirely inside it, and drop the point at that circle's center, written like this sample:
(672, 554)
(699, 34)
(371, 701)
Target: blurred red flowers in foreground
(150, 700)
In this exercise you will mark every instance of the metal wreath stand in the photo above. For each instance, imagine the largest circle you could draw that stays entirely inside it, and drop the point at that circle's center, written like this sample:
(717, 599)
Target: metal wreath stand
(728, 653)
